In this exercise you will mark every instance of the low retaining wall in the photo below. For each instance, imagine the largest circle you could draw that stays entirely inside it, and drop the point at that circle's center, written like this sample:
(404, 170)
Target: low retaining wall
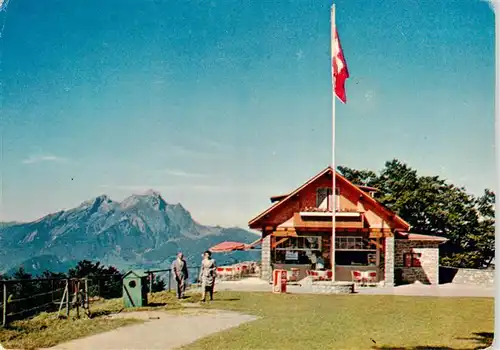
(467, 276)
(328, 287)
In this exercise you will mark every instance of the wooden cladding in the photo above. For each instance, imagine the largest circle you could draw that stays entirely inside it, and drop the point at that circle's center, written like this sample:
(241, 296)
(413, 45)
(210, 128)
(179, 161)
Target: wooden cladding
(321, 223)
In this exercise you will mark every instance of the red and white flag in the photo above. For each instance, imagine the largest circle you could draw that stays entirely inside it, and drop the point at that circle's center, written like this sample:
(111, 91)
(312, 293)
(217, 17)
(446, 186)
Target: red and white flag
(339, 66)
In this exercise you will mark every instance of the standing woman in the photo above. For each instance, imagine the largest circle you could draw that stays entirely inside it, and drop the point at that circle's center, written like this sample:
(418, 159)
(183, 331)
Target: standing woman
(207, 275)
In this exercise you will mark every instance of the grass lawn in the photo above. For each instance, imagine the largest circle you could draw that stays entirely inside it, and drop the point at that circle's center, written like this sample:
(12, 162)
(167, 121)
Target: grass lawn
(354, 322)
(46, 330)
(296, 322)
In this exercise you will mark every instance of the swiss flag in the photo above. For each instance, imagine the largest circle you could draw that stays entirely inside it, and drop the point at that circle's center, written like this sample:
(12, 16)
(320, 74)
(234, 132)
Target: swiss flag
(339, 68)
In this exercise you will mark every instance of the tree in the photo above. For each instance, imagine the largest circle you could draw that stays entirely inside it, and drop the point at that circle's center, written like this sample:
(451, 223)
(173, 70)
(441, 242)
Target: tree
(432, 206)
(50, 274)
(105, 281)
(358, 177)
(158, 283)
(22, 291)
(86, 268)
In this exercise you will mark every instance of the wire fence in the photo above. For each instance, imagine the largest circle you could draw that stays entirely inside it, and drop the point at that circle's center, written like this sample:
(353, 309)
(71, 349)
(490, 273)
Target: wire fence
(20, 299)
(25, 298)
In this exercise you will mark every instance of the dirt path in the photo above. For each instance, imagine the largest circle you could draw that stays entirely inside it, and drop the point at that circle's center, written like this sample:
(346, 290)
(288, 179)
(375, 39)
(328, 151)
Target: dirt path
(161, 330)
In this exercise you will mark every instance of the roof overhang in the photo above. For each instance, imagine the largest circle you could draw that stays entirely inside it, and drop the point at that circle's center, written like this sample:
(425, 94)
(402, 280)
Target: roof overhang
(421, 237)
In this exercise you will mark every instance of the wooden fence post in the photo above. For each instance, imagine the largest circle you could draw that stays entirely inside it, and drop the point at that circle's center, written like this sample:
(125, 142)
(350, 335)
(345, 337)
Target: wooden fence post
(53, 289)
(150, 282)
(87, 303)
(77, 295)
(169, 279)
(4, 311)
(67, 297)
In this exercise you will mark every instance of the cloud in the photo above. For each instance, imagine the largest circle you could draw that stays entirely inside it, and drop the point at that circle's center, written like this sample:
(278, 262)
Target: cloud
(220, 146)
(369, 95)
(181, 173)
(43, 158)
(189, 152)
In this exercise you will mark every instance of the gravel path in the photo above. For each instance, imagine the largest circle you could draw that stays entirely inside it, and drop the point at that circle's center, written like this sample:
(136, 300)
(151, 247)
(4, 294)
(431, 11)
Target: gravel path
(161, 330)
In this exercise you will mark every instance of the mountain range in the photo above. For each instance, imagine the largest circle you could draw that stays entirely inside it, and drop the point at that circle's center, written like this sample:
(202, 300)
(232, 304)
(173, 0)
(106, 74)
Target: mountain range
(142, 231)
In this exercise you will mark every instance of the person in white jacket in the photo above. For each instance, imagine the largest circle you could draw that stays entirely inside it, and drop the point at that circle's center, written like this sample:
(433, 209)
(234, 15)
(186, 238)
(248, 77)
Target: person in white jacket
(208, 272)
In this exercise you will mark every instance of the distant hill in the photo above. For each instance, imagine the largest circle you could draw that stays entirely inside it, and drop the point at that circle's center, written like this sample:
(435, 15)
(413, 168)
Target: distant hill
(142, 231)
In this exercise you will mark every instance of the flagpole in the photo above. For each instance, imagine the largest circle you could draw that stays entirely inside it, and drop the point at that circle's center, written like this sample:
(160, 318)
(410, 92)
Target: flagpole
(334, 196)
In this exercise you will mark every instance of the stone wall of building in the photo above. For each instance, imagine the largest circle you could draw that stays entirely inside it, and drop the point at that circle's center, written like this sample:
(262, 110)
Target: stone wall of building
(428, 272)
(389, 261)
(485, 278)
(266, 269)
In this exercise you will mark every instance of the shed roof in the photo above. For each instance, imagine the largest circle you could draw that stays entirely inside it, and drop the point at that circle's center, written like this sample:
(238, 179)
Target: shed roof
(421, 237)
(135, 274)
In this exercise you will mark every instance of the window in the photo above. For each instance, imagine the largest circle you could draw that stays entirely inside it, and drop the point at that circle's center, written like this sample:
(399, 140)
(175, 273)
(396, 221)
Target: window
(300, 243)
(354, 258)
(354, 243)
(412, 259)
(296, 250)
(324, 198)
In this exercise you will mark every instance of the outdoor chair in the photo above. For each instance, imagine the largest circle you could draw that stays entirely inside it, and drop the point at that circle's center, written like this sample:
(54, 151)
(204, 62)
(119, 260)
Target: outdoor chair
(370, 277)
(322, 275)
(229, 271)
(238, 271)
(293, 275)
(357, 277)
(221, 273)
(313, 274)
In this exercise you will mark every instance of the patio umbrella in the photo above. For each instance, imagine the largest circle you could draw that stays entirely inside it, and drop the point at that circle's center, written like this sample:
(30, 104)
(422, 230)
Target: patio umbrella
(227, 247)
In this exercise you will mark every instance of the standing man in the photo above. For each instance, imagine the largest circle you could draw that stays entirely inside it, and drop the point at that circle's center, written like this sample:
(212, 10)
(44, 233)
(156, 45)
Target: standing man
(180, 270)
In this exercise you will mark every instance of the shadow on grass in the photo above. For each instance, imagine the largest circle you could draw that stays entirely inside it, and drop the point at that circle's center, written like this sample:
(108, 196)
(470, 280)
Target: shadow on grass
(157, 304)
(482, 339)
(416, 348)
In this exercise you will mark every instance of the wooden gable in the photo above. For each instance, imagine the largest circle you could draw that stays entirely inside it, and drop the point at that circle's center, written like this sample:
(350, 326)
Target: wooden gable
(351, 199)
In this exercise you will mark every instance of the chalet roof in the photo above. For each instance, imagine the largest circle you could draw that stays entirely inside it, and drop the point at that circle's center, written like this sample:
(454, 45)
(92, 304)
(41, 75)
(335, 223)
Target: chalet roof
(329, 170)
(280, 197)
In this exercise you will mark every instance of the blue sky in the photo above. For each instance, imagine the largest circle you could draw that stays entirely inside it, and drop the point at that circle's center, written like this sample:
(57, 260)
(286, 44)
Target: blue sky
(221, 104)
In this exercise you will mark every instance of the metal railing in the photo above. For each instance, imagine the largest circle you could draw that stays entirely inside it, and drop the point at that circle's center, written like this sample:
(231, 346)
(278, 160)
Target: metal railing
(165, 277)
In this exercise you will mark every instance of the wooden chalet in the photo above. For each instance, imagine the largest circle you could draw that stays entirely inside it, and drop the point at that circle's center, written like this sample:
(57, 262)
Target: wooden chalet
(297, 230)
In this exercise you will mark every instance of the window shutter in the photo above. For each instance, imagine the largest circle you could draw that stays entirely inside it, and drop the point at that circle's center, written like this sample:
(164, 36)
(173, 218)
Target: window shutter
(416, 260)
(407, 259)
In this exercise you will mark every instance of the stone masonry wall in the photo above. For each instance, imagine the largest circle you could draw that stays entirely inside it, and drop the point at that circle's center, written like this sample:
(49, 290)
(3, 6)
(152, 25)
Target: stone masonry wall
(428, 273)
(266, 269)
(389, 261)
(485, 278)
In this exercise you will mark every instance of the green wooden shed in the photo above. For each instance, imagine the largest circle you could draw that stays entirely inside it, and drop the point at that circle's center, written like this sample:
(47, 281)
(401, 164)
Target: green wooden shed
(135, 289)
